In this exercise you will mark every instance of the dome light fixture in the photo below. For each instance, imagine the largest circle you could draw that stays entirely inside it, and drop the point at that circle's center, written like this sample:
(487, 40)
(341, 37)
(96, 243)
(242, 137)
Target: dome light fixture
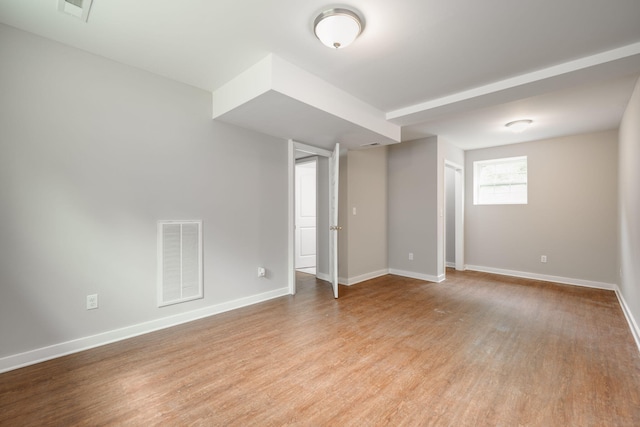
(518, 126)
(338, 28)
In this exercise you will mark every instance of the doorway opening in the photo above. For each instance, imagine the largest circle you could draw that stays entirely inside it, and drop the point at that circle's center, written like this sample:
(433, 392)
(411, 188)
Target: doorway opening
(327, 217)
(454, 216)
(306, 215)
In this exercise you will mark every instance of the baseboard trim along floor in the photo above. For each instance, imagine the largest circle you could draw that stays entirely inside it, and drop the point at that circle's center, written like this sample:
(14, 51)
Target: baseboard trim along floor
(543, 277)
(74, 346)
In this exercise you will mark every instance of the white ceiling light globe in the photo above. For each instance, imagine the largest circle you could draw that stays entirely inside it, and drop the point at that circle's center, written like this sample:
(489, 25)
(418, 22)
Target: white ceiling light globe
(519, 125)
(337, 28)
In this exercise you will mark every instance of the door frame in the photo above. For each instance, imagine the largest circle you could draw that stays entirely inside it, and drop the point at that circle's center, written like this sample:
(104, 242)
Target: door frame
(292, 147)
(459, 215)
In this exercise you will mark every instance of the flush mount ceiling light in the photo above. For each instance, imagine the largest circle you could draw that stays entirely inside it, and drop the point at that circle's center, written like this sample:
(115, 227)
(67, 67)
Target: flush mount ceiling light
(338, 28)
(519, 125)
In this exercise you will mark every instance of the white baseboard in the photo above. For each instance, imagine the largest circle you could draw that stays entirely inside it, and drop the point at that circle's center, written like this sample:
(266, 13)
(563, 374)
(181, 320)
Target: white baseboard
(32, 357)
(363, 277)
(325, 277)
(633, 325)
(450, 264)
(419, 276)
(543, 277)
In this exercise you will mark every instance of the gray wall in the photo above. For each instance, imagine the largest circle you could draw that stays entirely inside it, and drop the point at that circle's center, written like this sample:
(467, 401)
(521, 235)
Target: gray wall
(367, 230)
(416, 206)
(363, 239)
(571, 214)
(629, 207)
(92, 154)
(413, 207)
(343, 217)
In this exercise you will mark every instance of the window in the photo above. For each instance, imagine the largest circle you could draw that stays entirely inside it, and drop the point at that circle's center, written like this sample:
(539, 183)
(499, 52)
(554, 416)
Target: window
(179, 261)
(500, 181)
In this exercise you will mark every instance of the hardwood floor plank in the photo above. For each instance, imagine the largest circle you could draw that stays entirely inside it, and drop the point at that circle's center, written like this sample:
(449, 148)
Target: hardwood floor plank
(475, 350)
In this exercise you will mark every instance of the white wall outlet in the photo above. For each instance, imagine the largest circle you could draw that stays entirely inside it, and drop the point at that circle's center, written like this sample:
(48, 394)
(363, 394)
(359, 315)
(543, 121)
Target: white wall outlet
(410, 256)
(543, 258)
(92, 302)
(262, 272)
(354, 210)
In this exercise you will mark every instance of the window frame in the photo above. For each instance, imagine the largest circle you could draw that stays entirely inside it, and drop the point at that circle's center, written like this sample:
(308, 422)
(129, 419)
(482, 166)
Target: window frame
(477, 168)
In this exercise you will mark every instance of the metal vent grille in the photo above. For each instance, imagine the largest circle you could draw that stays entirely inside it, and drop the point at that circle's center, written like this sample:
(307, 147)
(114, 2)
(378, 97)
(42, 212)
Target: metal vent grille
(77, 8)
(179, 261)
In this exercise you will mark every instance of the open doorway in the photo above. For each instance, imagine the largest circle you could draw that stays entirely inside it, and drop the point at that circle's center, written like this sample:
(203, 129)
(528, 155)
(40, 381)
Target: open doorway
(306, 178)
(327, 219)
(454, 216)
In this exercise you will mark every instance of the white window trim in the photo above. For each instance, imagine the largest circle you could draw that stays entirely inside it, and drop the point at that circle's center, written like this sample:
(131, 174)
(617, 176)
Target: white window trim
(160, 288)
(476, 171)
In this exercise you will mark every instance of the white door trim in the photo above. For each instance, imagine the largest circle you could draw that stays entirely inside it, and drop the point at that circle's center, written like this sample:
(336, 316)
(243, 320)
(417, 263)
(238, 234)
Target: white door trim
(299, 146)
(291, 164)
(334, 177)
(291, 218)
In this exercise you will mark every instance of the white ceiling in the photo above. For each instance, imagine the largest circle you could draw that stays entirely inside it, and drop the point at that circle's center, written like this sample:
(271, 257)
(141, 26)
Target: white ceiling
(460, 69)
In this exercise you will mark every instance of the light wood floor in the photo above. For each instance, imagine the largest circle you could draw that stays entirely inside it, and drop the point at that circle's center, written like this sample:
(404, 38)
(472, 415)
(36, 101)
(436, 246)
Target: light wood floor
(475, 350)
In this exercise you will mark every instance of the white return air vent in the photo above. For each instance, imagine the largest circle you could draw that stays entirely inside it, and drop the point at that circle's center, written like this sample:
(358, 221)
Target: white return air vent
(77, 8)
(179, 261)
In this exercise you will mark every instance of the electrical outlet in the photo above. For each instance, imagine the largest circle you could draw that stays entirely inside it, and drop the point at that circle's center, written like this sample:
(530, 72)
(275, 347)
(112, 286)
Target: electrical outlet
(262, 272)
(410, 256)
(543, 258)
(92, 302)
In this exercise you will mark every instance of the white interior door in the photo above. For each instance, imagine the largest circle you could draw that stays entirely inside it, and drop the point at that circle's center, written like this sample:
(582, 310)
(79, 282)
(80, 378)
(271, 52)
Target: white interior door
(305, 201)
(334, 167)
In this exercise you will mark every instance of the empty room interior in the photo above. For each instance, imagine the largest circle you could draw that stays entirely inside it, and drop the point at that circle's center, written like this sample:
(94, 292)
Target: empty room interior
(310, 213)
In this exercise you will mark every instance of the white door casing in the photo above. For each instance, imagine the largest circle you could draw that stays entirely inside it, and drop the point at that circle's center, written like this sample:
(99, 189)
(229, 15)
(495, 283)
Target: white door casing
(292, 147)
(305, 201)
(334, 169)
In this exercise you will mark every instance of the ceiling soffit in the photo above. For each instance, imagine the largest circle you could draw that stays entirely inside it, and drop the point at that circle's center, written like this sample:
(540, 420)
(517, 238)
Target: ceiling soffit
(280, 99)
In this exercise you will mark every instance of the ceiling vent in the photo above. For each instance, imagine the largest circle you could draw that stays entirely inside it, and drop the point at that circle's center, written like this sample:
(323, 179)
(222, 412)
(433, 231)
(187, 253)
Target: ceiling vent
(77, 8)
